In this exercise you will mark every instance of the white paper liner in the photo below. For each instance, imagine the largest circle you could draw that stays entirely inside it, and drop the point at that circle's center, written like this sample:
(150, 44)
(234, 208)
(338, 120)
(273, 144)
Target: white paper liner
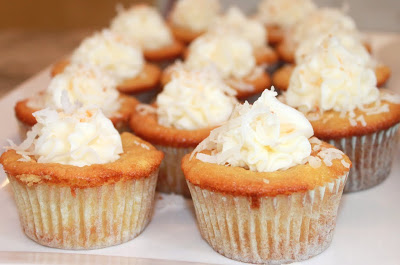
(282, 229)
(371, 155)
(92, 218)
(171, 178)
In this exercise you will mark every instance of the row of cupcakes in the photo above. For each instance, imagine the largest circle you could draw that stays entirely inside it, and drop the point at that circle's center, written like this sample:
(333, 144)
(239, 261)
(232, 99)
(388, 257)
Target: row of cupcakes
(78, 184)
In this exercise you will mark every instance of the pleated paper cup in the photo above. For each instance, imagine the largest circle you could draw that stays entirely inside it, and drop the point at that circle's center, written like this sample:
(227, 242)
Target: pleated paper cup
(85, 218)
(371, 155)
(275, 230)
(171, 178)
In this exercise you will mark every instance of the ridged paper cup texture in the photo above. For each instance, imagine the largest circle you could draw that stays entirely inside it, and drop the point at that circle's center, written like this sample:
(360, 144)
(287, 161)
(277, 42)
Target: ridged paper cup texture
(371, 155)
(269, 230)
(85, 218)
(171, 178)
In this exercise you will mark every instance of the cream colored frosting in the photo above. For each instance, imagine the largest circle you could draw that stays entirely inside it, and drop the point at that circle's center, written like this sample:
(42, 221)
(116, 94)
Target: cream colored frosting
(230, 53)
(79, 138)
(110, 52)
(236, 22)
(143, 24)
(350, 41)
(321, 21)
(195, 99)
(331, 78)
(196, 15)
(263, 137)
(284, 13)
(83, 84)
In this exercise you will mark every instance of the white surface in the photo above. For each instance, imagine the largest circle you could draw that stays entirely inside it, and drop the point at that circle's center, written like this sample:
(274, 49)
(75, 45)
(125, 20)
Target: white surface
(366, 232)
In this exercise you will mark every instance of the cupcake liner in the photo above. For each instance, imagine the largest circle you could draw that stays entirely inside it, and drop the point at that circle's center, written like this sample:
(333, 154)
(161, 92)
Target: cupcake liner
(74, 218)
(371, 155)
(271, 230)
(171, 178)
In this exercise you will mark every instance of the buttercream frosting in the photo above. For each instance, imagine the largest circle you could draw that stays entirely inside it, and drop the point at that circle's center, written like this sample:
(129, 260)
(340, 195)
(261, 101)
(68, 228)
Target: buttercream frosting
(142, 24)
(80, 138)
(230, 53)
(196, 15)
(331, 78)
(112, 53)
(195, 99)
(263, 137)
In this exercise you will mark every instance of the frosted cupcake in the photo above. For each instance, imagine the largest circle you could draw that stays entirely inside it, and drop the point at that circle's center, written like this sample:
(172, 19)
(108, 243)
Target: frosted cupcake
(338, 94)
(191, 104)
(78, 184)
(319, 22)
(121, 59)
(264, 191)
(280, 15)
(235, 22)
(145, 25)
(234, 58)
(350, 41)
(82, 85)
(189, 19)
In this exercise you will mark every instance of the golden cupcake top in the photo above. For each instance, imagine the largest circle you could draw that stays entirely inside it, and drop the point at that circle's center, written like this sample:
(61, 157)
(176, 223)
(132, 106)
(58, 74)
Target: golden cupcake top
(265, 149)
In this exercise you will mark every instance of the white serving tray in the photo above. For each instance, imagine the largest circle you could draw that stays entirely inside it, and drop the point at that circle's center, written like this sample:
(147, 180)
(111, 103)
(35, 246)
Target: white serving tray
(367, 231)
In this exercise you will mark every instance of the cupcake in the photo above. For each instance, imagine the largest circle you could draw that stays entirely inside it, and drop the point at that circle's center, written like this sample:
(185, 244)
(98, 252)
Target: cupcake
(145, 25)
(191, 104)
(338, 94)
(279, 16)
(264, 191)
(80, 84)
(349, 40)
(318, 22)
(78, 184)
(234, 21)
(189, 19)
(121, 59)
(234, 58)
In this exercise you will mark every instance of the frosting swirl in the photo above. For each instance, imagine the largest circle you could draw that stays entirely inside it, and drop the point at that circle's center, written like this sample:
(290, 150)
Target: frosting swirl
(263, 137)
(230, 53)
(196, 15)
(110, 52)
(81, 138)
(83, 84)
(284, 13)
(195, 99)
(322, 21)
(331, 78)
(142, 24)
(235, 22)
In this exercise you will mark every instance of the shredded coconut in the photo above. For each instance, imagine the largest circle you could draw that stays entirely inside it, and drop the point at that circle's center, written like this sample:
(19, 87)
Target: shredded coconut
(389, 96)
(144, 109)
(239, 85)
(361, 120)
(329, 154)
(315, 162)
(266, 181)
(315, 140)
(345, 164)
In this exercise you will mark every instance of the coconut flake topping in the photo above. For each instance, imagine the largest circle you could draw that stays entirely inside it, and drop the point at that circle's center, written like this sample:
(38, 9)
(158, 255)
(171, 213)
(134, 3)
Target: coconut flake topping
(80, 138)
(195, 99)
(263, 137)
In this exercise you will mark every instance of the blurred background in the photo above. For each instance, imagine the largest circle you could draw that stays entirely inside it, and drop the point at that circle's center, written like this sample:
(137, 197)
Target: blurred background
(34, 34)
